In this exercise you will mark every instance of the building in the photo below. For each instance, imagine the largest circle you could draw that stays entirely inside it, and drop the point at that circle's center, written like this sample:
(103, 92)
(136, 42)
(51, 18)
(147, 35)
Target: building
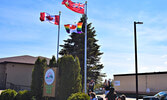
(148, 83)
(16, 72)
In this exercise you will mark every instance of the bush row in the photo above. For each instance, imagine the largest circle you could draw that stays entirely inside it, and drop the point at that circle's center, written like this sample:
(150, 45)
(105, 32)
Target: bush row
(79, 96)
(9, 94)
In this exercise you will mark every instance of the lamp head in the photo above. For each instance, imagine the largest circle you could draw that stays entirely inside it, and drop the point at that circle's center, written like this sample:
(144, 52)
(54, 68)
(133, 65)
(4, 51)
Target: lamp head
(138, 22)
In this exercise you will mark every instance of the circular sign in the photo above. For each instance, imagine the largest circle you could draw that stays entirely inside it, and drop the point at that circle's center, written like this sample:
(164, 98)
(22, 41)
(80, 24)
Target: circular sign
(49, 76)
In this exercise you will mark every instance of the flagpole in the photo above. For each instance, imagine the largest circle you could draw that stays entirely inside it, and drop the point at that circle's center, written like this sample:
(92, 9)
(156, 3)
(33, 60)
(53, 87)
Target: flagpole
(58, 36)
(85, 64)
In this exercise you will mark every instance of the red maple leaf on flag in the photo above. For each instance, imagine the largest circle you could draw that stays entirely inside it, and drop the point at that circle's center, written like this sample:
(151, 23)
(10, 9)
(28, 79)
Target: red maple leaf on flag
(73, 27)
(49, 18)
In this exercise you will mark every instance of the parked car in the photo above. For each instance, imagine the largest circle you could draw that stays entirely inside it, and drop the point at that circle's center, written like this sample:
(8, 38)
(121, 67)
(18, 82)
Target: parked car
(159, 96)
(99, 91)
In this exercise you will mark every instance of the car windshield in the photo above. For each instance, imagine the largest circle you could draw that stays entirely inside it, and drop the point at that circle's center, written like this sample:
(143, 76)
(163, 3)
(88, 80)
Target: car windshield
(160, 94)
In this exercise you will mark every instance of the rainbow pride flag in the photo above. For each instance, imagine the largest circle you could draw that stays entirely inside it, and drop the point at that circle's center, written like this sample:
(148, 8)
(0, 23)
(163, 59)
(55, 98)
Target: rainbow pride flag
(67, 27)
(74, 28)
(79, 27)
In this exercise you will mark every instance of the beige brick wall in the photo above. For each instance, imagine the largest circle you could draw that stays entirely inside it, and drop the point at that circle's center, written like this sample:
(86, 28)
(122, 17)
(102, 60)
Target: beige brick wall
(156, 83)
(19, 74)
(127, 83)
(2, 76)
(2, 68)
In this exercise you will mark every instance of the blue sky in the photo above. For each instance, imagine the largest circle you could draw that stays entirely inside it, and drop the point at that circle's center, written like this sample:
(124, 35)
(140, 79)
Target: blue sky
(22, 33)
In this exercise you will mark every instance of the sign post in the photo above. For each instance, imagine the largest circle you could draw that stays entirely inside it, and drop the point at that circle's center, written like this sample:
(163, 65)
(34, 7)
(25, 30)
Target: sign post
(49, 82)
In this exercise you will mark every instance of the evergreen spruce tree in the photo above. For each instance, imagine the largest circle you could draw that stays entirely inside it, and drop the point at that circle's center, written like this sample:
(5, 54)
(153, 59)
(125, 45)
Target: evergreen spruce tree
(69, 76)
(75, 46)
(52, 62)
(37, 78)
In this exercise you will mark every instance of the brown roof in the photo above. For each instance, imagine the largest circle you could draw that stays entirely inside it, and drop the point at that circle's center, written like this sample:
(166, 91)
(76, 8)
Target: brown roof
(25, 59)
(148, 73)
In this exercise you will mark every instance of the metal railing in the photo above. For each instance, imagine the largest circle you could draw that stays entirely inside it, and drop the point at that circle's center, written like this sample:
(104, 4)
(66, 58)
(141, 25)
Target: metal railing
(10, 85)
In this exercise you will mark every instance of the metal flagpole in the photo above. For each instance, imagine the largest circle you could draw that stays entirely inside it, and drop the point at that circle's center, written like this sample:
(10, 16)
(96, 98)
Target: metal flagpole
(85, 46)
(58, 36)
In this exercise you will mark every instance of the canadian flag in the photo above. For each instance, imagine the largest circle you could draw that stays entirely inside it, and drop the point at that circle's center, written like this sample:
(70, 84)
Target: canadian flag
(50, 18)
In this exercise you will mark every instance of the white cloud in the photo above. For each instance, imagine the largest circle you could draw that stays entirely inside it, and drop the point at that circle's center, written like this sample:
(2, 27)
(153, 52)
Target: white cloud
(164, 56)
(165, 63)
(129, 59)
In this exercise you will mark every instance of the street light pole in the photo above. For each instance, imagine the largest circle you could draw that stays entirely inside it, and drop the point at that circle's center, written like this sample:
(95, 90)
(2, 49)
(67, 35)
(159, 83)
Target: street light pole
(136, 69)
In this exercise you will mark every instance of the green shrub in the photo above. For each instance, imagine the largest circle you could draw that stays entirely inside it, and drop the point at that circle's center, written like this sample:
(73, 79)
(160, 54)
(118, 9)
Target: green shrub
(23, 95)
(69, 76)
(37, 78)
(79, 96)
(8, 94)
(33, 98)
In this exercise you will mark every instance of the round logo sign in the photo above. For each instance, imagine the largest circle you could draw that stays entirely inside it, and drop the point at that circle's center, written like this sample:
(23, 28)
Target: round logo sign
(49, 76)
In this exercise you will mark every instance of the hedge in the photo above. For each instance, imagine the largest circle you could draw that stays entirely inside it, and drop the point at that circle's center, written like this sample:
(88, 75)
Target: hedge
(69, 76)
(8, 94)
(23, 95)
(79, 96)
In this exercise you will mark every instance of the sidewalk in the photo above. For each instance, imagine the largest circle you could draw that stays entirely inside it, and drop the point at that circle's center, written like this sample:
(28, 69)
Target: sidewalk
(1, 91)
